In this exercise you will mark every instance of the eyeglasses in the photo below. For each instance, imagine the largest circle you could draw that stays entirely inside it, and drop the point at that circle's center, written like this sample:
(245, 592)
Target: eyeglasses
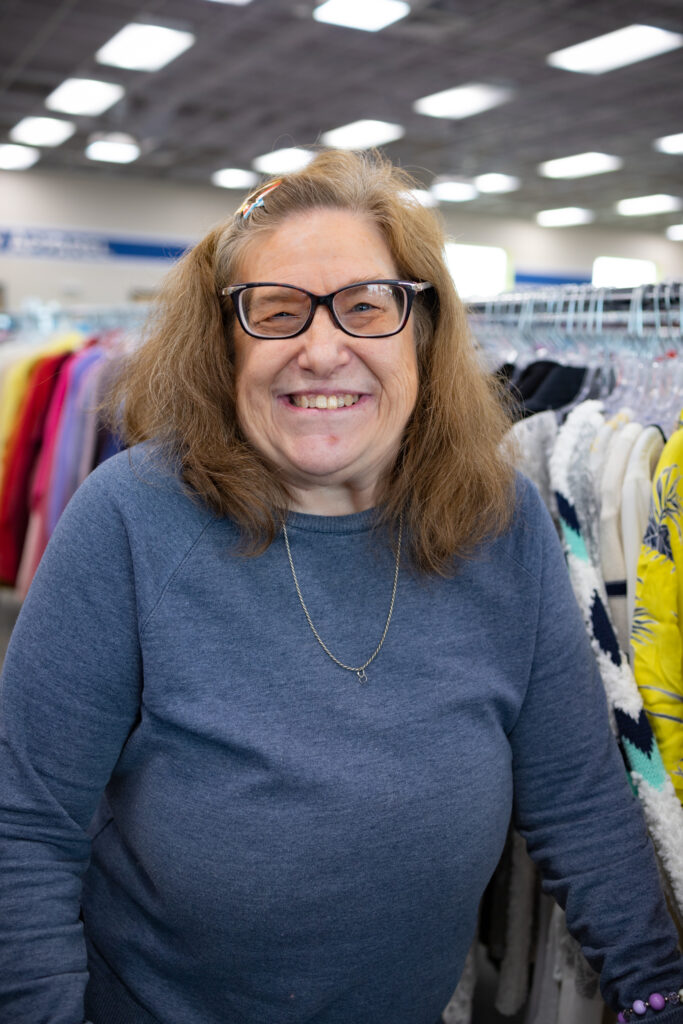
(371, 309)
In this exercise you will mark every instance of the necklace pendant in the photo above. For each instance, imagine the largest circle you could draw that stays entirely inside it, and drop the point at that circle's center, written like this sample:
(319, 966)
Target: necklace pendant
(362, 677)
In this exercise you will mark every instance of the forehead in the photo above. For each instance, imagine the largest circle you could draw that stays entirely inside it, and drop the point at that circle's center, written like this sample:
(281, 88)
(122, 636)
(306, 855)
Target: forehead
(321, 244)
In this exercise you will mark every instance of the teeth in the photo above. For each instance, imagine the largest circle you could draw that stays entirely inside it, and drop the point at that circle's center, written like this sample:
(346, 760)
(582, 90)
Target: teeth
(324, 401)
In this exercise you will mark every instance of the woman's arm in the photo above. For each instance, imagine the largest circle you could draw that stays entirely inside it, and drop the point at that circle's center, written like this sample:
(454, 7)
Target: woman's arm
(576, 809)
(69, 697)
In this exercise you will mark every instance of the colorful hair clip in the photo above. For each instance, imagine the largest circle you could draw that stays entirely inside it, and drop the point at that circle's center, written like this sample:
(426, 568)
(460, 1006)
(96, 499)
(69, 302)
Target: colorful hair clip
(252, 202)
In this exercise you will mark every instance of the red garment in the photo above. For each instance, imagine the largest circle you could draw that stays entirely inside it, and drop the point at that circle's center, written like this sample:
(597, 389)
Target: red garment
(37, 528)
(22, 452)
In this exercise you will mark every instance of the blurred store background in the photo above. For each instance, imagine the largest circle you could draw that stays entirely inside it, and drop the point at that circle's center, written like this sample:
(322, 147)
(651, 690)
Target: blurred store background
(549, 132)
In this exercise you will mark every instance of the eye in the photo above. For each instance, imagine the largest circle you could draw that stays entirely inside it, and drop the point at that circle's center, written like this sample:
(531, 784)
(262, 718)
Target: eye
(281, 315)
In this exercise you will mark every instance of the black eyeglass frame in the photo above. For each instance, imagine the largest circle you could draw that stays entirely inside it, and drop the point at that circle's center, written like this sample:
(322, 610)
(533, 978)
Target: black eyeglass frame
(410, 289)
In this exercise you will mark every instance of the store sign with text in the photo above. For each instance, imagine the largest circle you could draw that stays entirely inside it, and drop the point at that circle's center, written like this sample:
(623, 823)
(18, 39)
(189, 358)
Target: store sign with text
(63, 244)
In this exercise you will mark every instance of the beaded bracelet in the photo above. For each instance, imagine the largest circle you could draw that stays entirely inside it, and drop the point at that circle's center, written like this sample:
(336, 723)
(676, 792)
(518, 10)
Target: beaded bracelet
(655, 1002)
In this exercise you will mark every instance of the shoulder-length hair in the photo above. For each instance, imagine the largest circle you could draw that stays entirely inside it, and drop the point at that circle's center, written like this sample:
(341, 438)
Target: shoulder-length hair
(452, 479)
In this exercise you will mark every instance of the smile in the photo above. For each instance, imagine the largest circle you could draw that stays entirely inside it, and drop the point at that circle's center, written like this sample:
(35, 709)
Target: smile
(323, 401)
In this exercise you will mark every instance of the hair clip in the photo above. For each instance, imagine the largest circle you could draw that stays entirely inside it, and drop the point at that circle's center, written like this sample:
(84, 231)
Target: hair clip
(251, 203)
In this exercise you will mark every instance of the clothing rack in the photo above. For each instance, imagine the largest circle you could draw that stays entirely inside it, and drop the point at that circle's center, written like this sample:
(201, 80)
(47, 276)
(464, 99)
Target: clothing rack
(37, 320)
(586, 310)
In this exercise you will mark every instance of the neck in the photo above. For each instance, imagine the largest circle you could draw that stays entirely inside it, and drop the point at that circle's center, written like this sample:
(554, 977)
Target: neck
(331, 501)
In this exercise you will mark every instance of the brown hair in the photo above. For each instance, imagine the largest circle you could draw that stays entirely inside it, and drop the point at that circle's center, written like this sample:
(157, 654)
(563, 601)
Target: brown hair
(452, 479)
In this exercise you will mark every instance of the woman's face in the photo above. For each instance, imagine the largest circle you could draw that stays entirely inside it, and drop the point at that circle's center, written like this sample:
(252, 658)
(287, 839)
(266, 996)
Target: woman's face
(330, 458)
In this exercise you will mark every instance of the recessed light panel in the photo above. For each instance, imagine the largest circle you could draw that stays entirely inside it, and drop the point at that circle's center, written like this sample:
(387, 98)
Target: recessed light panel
(234, 177)
(144, 47)
(42, 131)
(580, 166)
(17, 158)
(85, 96)
(675, 232)
(641, 206)
(114, 148)
(363, 135)
(670, 143)
(462, 101)
(282, 161)
(368, 15)
(564, 217)
(615, 49)
(618, 272)
(496, 183)
(447, 191)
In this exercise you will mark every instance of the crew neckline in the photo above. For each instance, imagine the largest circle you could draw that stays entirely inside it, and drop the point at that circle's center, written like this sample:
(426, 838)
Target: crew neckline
(355, 522)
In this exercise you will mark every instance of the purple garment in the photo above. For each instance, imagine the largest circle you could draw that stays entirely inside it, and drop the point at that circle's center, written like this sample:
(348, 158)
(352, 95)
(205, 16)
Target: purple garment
(64, 474)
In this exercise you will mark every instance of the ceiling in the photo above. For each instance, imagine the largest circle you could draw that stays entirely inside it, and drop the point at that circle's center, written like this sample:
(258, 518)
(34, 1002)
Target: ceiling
(266, 75)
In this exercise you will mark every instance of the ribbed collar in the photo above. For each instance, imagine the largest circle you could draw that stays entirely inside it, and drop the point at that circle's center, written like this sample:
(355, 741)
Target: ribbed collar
(357, 522)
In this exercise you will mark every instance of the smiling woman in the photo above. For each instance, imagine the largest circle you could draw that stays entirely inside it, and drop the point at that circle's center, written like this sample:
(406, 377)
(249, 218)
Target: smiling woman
(204, 818)
(344, 220)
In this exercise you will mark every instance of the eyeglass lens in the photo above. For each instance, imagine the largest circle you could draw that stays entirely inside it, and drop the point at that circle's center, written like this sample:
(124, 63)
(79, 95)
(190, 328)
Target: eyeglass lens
(364, 310)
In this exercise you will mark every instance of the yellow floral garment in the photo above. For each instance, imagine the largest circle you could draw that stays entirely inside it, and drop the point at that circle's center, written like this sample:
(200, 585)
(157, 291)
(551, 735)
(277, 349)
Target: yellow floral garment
(656, 633)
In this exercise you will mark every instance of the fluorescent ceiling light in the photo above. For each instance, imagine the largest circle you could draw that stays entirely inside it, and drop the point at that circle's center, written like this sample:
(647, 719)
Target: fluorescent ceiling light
(282, 161)
(675, 232)
(496, 183)
(618, 272)
(84, 96)
(17, 158)
(615, 49)
(233, 177)
(144, 47)
(462, 101)
(564, 217)
(640, 206)
(362, 135)
(670, 143)
(454, 191)
(42, 131)
(580, 166)
(369, 15)
(114, 148)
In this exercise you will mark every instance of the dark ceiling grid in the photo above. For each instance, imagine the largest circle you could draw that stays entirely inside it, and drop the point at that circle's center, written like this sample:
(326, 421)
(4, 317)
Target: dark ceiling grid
(266, 75)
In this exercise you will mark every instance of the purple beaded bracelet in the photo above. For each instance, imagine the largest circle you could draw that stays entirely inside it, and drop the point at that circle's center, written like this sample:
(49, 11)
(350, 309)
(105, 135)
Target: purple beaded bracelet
(655, 1002)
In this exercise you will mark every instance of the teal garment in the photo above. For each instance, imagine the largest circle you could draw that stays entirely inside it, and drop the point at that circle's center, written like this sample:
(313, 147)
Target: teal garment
(253, 835)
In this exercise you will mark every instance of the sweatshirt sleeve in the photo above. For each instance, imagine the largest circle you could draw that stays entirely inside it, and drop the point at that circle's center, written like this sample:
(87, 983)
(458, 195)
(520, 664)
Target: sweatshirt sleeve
(69, 697)
(575, 807)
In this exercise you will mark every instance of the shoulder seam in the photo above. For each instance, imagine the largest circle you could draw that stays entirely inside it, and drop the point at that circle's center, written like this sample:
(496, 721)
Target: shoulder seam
(169, 581)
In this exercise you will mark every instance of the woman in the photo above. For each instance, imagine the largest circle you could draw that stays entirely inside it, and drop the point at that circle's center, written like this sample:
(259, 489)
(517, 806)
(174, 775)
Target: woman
(284, 663)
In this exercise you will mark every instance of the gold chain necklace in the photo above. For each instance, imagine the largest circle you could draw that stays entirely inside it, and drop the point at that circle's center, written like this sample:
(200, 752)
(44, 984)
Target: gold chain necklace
(360, 669)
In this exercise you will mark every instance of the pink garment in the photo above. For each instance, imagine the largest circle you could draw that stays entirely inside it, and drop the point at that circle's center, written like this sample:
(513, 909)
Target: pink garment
(37, 535)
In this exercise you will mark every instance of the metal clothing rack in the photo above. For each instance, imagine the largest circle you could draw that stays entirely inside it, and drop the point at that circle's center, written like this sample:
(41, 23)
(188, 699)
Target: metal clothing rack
(583, 310)
(37, 319)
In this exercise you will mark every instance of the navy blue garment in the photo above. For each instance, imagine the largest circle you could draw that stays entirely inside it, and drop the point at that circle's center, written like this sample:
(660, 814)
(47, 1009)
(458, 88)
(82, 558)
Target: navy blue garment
(252, 835)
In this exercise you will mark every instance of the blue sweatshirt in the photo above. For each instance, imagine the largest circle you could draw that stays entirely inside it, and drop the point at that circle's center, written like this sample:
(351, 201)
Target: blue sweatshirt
(251, 836)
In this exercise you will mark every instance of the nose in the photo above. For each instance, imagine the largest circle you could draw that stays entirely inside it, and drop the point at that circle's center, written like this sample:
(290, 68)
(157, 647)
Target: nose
(324, 347)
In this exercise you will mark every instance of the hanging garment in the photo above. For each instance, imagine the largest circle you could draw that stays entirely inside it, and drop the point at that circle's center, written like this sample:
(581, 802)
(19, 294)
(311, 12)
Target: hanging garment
(22, 452)
(459, 1008)
(612, 561)
(67, 445)
(572, 479)
(635, 506)
(37, 534)
(513, 978)
(534, 438)
(656, 633)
